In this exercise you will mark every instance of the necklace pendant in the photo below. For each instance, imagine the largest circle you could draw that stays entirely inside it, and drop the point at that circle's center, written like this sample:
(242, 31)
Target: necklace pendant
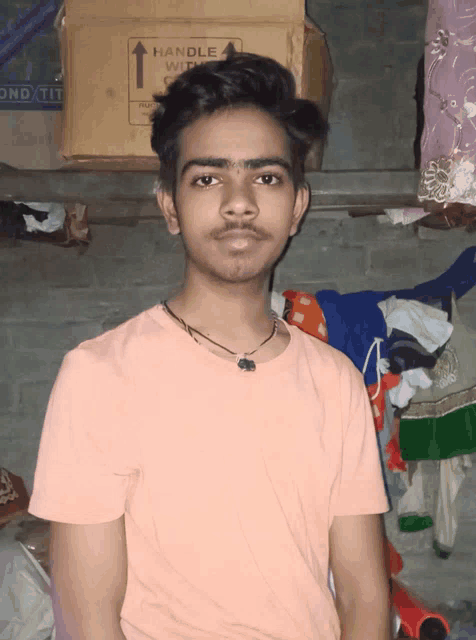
(246, 365)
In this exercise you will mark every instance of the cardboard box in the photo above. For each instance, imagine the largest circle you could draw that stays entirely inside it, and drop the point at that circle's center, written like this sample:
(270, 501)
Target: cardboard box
(116, 54)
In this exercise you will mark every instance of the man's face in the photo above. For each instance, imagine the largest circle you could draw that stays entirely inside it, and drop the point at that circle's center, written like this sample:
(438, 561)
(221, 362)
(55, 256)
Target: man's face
(235, 216)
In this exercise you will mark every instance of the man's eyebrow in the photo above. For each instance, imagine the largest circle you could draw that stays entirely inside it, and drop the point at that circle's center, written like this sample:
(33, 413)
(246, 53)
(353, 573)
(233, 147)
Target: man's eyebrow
(226, 163)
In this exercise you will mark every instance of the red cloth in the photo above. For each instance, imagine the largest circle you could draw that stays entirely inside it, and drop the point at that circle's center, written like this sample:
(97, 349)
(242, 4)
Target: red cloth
(395, 461)
(388, 381)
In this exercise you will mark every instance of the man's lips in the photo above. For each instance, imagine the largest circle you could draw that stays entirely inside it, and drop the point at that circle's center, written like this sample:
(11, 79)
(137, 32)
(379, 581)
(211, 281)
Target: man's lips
(239, 238)
(238, 234)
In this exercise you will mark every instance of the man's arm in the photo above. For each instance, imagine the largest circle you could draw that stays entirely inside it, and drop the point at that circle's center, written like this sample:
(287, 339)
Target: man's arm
(361, 577)
(88, 579)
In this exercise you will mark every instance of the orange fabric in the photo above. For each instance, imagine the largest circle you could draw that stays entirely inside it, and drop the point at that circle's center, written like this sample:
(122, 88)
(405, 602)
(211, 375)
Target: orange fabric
(228, 480)
(395, 461)
(306, 314)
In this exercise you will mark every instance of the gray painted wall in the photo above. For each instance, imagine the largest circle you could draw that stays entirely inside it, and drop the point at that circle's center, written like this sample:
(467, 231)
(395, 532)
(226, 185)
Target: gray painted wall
(375, 46)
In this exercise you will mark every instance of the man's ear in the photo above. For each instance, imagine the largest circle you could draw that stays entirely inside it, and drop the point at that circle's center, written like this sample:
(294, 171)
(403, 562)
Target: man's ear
(166, 205)
(301, 205)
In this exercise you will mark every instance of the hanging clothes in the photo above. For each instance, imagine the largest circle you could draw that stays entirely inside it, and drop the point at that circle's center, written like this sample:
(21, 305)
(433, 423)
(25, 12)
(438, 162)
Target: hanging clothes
(440, 421)
(448, 145)
(354, 320)
(411, 507)
(452, 475)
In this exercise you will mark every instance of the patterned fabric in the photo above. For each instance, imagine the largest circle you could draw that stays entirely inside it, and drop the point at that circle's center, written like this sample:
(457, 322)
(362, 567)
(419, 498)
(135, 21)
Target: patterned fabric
(440, 422)
(448, 145)
(304, 312)
(14, 498)
(7, 491)
(453, 376)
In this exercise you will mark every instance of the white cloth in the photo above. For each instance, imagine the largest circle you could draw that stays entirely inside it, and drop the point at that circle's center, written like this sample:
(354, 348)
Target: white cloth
(410, 382)
(26, 610)
(54, 221)
(406, 216)
(452, 475)
(427, 324)
(413, 502)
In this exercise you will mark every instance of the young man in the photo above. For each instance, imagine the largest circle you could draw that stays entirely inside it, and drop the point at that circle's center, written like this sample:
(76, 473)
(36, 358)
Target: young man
(204, 464)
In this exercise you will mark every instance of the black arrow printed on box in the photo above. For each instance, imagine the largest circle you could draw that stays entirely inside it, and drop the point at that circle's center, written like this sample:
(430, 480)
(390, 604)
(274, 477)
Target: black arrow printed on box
(230, 48)
(140, 51)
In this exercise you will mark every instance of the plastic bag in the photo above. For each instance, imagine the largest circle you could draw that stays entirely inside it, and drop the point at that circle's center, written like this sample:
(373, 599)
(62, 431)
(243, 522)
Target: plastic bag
(26, 611)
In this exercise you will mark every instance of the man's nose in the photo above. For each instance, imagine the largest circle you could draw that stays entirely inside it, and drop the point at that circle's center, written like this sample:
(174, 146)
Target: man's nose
(239, 200)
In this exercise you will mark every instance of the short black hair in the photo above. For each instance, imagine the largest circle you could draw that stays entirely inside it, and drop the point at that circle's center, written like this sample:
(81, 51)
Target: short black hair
(242, 79)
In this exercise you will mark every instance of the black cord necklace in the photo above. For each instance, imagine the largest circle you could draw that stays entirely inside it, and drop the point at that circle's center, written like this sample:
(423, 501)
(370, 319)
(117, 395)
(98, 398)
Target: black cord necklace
(243, 362)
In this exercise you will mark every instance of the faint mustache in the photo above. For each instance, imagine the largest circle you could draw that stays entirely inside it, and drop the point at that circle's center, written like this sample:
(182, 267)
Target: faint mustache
(259, 233)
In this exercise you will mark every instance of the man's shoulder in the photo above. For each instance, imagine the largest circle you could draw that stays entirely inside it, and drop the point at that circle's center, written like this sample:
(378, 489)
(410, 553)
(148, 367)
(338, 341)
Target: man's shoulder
(327, 357)
(124, 343)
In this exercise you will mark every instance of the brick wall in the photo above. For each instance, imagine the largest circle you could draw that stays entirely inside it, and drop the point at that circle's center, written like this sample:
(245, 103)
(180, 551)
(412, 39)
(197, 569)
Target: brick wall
(53, 298)
(375, 46)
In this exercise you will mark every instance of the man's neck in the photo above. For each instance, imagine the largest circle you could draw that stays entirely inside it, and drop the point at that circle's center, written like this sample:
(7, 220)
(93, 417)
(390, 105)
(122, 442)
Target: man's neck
(227, 315)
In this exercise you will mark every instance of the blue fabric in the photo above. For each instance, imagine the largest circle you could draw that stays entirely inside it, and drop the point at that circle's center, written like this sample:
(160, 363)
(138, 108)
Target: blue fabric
(354, 319)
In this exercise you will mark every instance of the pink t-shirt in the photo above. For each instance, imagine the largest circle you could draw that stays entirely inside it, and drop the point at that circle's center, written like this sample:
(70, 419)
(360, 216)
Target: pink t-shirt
(229, 480)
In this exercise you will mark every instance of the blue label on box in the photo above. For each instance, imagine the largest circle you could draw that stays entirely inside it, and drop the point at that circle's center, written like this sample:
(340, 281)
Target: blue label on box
(30, 62)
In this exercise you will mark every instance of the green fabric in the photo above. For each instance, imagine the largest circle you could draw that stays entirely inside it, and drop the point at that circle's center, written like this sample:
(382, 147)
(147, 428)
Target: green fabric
(415, 523)
(439, 438)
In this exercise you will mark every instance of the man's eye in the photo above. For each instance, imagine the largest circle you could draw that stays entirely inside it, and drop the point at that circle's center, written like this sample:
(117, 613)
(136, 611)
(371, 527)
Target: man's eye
(205, 181)
(267, 177)
(205, 178)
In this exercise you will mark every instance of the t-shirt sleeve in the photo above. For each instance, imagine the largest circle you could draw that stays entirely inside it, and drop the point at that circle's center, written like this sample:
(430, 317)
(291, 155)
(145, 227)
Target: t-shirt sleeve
(85, 461)
(361, 489)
